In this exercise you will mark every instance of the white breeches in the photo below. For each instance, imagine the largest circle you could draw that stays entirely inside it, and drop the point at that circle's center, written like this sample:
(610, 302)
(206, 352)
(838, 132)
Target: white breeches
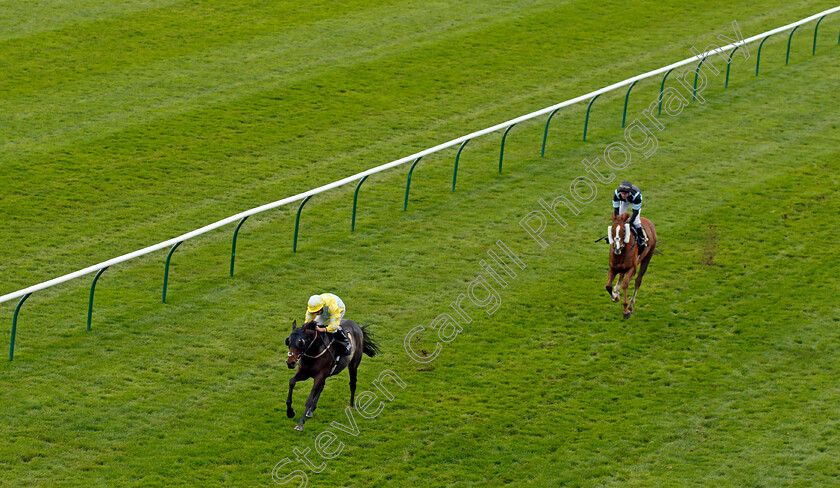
(322, 319)
(625, 207)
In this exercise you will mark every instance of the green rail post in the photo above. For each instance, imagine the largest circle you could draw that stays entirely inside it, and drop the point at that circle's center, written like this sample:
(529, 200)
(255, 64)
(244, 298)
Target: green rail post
(816, 28)
(696, 74)
(166, 269)
(586, 122)
(502, 151)
(731, 57)
(92, 289)
(545, 135)
(627, 99)
(662, 88)
(408, 182)
(457, 158)
(758, 57)
(787, 56)
(233, 247)
(297, 222)
(14, 327)
(356, 199)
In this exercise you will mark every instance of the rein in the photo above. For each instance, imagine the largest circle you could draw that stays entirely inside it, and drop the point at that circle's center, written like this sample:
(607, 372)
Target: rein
(326, 347)
(310, 347)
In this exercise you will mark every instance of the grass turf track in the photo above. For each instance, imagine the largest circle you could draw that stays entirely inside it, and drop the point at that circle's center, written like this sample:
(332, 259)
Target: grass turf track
(126, 126)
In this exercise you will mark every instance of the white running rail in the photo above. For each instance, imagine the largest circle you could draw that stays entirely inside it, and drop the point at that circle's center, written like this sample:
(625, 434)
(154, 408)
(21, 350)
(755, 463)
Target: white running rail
(335, 184)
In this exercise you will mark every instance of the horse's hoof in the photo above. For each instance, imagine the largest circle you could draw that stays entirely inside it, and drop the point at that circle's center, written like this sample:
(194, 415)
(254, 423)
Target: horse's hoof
(310, 414)
(616, 299)
(627, 315)
(298, 428)
(609, 290)
(290, 413)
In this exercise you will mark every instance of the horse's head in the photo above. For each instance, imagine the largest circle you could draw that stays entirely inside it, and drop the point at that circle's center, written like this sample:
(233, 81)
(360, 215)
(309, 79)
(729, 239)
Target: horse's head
(619, 233)
(298, 341)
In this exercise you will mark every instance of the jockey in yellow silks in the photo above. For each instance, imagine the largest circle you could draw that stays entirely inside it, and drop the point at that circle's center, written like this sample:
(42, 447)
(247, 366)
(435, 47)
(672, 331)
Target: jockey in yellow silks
(325, 308)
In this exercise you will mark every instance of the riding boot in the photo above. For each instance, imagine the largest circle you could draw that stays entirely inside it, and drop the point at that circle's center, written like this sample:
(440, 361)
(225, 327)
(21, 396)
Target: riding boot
(342, 344)
(641, 238)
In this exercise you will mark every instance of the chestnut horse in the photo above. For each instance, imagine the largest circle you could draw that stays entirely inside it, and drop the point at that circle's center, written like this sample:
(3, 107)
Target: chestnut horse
(316, 358)
(625, 258)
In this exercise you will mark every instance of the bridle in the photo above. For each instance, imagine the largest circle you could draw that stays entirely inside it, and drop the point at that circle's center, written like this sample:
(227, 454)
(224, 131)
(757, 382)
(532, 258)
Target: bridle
(627, 233)
(297, 356)
(617, 239)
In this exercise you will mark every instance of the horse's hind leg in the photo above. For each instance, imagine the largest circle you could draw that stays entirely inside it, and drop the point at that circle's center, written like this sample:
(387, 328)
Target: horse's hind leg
(642, 268)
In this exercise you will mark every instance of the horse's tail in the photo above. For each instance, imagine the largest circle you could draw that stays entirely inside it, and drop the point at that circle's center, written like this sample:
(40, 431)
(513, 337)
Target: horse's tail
(369, 345)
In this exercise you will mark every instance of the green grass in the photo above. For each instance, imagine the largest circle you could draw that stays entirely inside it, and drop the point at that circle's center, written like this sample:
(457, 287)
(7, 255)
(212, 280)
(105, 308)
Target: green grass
(123, 127)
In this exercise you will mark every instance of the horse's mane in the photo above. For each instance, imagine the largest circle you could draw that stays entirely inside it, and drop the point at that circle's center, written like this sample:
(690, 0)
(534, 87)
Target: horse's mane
(622, 218)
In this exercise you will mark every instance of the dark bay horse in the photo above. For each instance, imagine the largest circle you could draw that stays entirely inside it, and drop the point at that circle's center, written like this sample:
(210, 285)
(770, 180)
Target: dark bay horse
(625, 258)
(317, 359)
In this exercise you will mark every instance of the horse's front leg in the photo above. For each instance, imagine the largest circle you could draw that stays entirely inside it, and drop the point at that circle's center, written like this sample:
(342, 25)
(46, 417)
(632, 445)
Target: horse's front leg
(290, 412)
(312, 401)
(311, 411)
(616, 292)
(354, 369)
(610, 278)
(628, 310)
